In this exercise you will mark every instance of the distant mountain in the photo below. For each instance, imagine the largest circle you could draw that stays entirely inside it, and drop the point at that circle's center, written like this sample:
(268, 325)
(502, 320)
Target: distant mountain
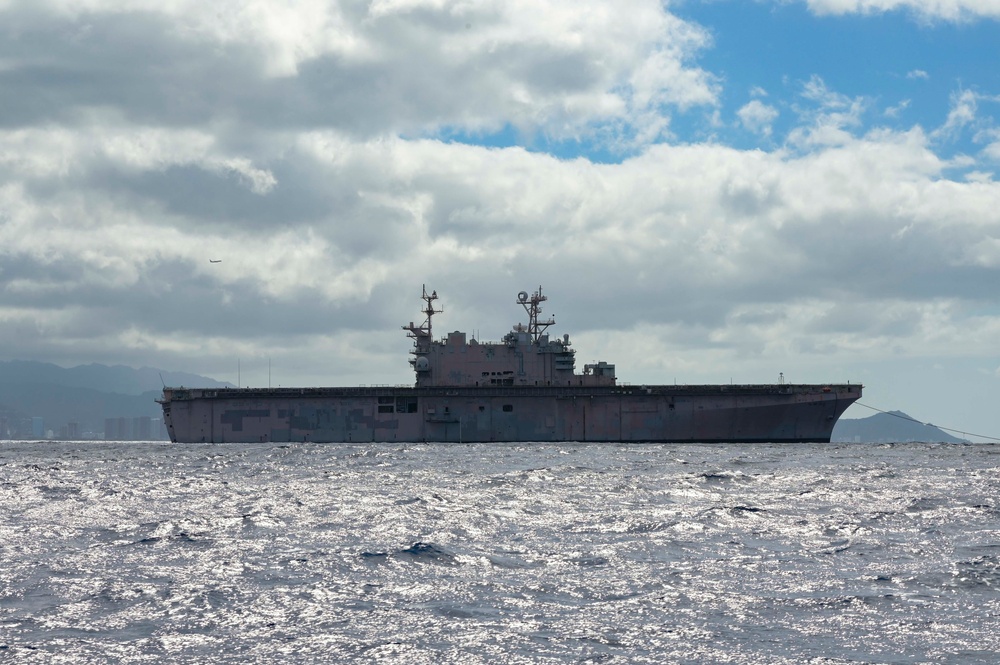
(59, 405)
(87, 395)
(892, 426)
(105, 378)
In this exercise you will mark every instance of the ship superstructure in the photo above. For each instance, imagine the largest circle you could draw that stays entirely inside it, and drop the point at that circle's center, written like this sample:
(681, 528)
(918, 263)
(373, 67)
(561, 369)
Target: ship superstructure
(523, 388)
(525, 357)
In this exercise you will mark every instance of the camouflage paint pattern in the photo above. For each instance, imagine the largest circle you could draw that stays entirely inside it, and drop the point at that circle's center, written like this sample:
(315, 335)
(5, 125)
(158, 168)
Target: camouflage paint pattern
(523, 388)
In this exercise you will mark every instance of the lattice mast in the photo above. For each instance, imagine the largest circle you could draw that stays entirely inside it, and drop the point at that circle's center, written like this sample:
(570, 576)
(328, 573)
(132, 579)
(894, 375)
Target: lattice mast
(533, 306)
(422, 335)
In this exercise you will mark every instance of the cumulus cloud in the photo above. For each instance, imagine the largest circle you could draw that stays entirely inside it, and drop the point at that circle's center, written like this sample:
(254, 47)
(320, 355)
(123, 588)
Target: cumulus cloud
(367, 68)
(962, 113)
(992, 150)
(757, 117)
(829, 118)
(949, 10)
(708, 235)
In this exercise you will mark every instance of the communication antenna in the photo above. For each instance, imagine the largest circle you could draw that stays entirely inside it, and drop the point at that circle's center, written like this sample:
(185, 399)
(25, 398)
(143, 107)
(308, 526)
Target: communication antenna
(424, 331)
(422, 335)
(533, 306)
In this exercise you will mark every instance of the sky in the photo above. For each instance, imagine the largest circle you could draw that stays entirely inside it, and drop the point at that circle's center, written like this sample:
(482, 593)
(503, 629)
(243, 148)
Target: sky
(707, 191)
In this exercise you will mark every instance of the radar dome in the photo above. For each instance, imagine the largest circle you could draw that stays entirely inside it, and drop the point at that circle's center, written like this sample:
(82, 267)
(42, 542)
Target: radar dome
(422, 364)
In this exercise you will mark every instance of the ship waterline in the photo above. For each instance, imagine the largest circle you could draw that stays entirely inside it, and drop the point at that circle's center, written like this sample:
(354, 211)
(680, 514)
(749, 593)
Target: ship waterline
(522, 389)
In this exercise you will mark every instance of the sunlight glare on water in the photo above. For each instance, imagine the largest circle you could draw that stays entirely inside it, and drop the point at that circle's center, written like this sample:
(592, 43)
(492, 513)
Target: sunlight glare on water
(486, 553)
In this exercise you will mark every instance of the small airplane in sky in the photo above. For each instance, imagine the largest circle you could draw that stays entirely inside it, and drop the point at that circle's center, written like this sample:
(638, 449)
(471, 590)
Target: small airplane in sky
(215, 260)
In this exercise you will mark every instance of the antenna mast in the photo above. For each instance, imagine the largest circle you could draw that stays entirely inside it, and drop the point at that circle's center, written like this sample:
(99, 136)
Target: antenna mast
(423, 332)
(533, 306)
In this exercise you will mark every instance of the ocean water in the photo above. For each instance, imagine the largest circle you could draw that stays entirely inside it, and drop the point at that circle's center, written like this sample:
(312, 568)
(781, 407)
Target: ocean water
(424, 553)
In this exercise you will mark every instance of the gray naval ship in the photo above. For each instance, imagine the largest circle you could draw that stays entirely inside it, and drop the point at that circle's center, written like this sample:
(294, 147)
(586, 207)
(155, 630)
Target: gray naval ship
(523, 388)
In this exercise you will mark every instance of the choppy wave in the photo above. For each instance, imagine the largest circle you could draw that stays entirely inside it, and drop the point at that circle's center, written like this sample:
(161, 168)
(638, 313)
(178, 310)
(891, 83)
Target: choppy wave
(842, 553)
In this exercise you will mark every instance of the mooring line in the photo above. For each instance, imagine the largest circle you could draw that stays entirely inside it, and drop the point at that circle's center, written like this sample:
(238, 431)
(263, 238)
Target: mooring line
(914, 420)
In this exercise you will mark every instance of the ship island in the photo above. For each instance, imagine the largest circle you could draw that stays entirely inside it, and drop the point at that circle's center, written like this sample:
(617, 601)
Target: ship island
(524, 388)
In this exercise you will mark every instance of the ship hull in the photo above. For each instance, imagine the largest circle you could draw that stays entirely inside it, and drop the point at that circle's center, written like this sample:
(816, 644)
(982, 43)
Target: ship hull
(718, 413)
